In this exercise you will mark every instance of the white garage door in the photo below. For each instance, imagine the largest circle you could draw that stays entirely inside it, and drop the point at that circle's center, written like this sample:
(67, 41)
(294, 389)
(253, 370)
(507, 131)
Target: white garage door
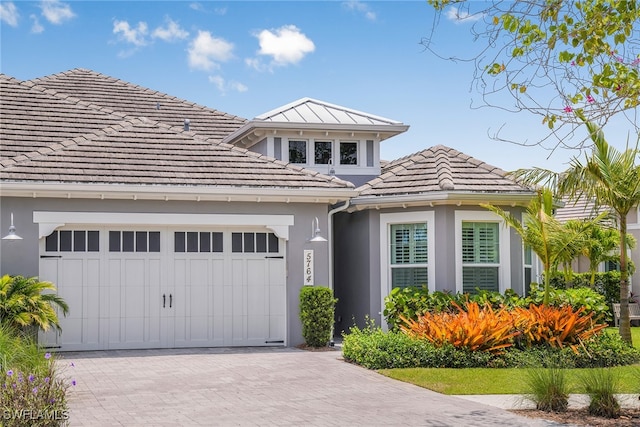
(166, 287)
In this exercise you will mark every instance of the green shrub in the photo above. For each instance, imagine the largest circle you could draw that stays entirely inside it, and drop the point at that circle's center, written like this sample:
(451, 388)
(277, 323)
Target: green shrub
(588, 298)
(548, 389)
(604, 350)
(602, 385)
(373, 348)
(317, 307)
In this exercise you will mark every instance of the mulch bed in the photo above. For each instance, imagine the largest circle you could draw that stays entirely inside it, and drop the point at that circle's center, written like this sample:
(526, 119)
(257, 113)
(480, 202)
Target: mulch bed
(580, 417)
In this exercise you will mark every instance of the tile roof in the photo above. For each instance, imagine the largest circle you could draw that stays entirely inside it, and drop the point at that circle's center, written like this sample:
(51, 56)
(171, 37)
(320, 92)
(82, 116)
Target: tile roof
(137, 101)
(439, 169)
(580, 208)
(53, 137)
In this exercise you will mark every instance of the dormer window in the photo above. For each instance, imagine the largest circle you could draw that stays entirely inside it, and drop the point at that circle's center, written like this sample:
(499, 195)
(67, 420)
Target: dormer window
(297, 151)
(323, 152)
(348, 153)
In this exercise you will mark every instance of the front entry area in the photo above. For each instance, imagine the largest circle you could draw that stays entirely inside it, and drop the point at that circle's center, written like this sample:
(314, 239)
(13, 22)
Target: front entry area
(165, 287)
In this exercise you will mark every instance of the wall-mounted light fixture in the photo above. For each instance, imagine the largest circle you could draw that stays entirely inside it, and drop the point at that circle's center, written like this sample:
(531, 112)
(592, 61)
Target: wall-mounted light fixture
(315, 232)
(12, 232)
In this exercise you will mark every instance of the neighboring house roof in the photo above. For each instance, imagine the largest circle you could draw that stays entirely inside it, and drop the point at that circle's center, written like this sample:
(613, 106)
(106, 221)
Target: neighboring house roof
(580, 208)
(441, 173)
(55, 138)
(312, 114)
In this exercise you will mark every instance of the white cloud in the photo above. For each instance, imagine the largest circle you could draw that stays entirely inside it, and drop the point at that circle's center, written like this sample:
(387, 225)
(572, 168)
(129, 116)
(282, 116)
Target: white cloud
(36, 27)
(196, 6)
(224, 86)
(205, 51)
(237, 86)
(286, 45)
(9, 14)
(56, 12)
(135, 36)
(256, 64)
(171, 32)
(360, 7)
(460, 16)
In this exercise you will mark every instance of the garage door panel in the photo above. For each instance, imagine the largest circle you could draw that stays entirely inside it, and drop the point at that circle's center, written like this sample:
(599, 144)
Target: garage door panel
(217, 286)
(219, 297)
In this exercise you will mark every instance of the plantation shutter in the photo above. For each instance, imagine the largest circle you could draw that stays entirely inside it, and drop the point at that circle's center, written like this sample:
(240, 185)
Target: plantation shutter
(409, 254)
(480, 256)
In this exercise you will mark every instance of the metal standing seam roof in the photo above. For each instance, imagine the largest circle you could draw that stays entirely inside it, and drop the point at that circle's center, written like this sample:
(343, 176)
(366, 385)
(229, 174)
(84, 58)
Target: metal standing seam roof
(76, 140)
(440, 169)
(308, 110)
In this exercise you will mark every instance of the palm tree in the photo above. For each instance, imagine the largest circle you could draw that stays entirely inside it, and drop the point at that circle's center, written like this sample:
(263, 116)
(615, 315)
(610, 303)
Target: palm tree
(24, 302)
(546, 236)
(601, 246)
(611, 179)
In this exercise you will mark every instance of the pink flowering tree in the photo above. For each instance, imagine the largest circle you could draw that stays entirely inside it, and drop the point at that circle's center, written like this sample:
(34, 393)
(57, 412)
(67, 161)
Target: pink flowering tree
(558, 59)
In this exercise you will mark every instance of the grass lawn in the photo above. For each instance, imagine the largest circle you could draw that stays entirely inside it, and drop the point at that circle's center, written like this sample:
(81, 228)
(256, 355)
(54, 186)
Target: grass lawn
(501, 381)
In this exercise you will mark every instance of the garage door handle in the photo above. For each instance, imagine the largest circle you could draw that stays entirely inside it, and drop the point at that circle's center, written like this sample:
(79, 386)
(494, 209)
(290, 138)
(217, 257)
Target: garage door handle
(170, 300)
(275, 257)
(164, 300)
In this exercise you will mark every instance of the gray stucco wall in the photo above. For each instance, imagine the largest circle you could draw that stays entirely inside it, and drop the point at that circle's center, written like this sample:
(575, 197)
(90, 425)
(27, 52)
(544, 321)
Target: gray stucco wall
(22, 256)
(357, 260)
(352, 269)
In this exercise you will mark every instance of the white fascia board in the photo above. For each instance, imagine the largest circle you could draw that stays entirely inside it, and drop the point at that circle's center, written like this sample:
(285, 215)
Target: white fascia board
(49, 221)
(251, 126)
(440, 198)
(151, 192)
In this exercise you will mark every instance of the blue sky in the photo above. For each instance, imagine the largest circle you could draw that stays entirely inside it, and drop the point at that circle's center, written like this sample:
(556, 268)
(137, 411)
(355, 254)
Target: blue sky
(247, 58)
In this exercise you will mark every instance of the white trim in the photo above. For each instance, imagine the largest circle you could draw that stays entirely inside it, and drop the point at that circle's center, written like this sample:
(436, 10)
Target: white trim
(49, 221)
(173, 193)
(405, 218)
(504, 241)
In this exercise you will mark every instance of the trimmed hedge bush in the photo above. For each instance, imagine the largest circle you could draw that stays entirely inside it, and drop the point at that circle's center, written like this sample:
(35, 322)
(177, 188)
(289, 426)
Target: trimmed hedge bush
(375, 349)
(317, 307)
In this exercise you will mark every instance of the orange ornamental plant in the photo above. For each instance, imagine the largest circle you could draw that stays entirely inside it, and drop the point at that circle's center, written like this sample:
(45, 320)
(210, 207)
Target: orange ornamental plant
(474, 328)
(485, 329)
(555, 326)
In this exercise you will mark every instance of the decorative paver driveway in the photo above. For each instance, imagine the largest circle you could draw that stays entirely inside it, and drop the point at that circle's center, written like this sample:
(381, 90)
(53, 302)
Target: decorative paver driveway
(261, 387)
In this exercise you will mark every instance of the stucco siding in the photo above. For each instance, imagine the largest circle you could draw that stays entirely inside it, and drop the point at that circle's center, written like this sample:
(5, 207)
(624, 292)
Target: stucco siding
(353, 269)
(22, 256)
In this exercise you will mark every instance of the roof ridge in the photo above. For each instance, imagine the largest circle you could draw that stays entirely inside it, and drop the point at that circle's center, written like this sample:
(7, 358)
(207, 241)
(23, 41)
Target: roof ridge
(142, 88)
(31, 84)
(443, 171)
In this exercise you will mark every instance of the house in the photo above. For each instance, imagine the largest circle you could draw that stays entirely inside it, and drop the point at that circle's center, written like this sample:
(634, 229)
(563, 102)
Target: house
(583, 209)
(169, 224)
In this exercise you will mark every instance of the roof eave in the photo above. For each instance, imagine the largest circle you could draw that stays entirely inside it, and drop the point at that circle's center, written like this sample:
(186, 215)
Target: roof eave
(175, 193)
(257, 126)
(441, 198)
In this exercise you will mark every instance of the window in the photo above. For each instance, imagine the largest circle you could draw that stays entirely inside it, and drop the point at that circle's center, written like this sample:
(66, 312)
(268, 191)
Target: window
(480, 256)
(254, 242)
(193, 241)
(298, 151)
(322, 152)
(528, 268)
(409, 255)
(348, 153)
(73, 241)
(134, 241)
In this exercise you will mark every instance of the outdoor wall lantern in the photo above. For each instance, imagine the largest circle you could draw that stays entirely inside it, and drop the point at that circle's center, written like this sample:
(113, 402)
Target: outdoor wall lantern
(315, 232)
(12, 232)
